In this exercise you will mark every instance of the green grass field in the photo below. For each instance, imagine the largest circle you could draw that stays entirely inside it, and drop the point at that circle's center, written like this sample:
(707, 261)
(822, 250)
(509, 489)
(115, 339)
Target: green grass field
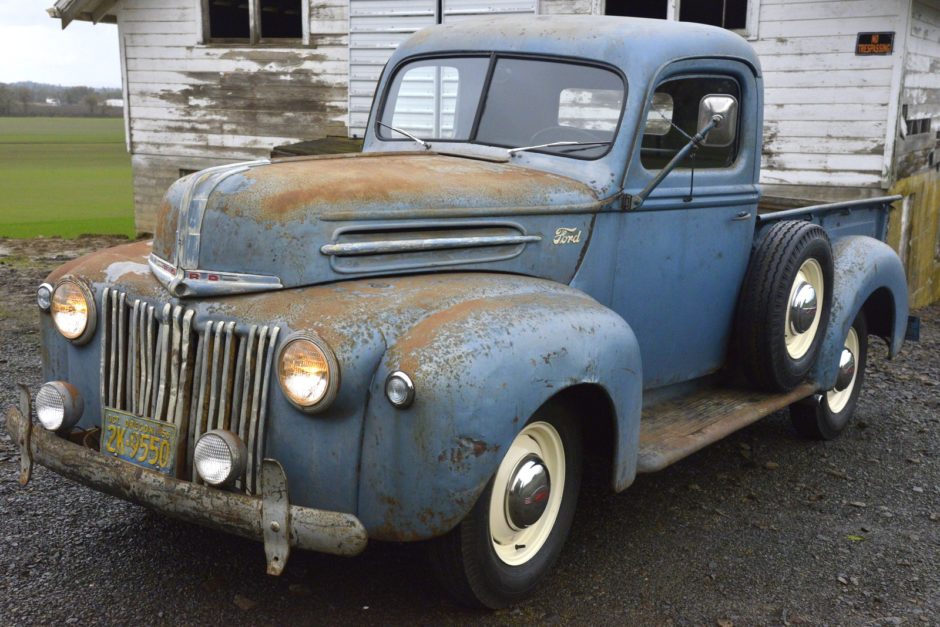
(65, 177)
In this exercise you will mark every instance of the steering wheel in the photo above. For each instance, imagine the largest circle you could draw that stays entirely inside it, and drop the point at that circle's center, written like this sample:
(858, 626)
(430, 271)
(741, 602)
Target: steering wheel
(560, 134)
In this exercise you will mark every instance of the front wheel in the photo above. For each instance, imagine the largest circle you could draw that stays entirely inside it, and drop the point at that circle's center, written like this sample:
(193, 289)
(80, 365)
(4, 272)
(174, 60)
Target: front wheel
(515, 532)
(825, 416)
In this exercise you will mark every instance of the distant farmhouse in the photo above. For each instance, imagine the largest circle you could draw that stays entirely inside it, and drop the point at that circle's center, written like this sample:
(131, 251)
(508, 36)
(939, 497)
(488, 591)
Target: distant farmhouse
(852, 90)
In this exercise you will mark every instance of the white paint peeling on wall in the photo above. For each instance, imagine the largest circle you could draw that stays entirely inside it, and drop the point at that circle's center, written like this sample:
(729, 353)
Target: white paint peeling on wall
(831, 117)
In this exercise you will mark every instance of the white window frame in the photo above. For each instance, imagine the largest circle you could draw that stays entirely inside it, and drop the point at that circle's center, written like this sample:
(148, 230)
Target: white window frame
(254, 28)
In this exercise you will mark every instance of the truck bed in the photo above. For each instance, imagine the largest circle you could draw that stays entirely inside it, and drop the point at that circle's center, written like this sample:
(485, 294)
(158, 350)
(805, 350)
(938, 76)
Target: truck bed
(868, 216)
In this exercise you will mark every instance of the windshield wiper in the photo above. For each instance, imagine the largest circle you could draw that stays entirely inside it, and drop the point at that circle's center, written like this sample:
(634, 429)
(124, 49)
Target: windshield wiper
(513, 151)
(425, 144)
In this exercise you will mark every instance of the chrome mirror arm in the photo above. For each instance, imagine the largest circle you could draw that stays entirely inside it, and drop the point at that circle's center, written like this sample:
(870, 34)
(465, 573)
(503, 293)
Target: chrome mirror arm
(694, 143)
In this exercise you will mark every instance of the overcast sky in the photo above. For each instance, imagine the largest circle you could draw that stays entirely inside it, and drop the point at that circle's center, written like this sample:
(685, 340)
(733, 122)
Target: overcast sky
(33, 47)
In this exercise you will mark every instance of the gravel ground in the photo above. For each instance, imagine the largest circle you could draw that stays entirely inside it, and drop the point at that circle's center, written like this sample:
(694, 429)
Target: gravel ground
(761, 528)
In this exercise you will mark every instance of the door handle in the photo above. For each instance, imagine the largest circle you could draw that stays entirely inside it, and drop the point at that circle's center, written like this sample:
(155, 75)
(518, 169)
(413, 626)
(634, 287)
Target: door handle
(742, 215)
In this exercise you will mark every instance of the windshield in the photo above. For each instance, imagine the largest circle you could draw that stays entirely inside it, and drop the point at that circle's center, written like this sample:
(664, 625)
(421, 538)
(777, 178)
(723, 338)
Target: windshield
(525, 103)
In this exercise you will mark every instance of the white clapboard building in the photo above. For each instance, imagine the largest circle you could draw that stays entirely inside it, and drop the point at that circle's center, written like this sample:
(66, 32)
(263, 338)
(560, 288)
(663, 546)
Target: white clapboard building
(852, 86)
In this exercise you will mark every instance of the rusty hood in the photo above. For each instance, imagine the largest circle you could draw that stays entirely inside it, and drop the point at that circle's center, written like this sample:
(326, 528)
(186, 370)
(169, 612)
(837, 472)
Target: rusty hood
(259, 226)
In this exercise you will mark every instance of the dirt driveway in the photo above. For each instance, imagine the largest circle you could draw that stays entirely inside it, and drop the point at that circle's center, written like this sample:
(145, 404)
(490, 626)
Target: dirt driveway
(762, 528)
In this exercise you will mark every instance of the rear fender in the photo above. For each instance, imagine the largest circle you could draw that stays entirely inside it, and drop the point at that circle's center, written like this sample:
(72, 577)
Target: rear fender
(481, 369)
(863, 266)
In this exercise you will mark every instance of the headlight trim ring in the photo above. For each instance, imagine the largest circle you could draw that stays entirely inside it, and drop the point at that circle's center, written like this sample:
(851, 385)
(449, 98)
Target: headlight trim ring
(333, 370)
(90, 303)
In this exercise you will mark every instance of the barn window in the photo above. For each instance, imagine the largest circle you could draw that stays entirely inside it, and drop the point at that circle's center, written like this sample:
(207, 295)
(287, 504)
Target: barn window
(657, 9)
(737, 15)
(725, 13)
(253, 21)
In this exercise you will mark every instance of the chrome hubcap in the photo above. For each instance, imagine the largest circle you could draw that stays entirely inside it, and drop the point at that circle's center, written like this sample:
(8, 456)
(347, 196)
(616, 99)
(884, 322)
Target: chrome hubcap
(838, 397)
(523, 508)
(846, 370)
(527, 496)
(803, 312)
(803, 308)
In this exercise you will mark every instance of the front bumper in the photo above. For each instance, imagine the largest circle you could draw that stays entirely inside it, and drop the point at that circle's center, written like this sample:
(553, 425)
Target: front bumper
(268, 517)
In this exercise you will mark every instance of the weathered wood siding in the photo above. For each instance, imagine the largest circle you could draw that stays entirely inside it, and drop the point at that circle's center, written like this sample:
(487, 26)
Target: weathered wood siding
(920, 92)
(192, 105)
(916, 230)
(826, 113)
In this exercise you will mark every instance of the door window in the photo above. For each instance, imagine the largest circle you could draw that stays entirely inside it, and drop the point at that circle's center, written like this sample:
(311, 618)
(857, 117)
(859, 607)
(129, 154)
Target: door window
(672, 120)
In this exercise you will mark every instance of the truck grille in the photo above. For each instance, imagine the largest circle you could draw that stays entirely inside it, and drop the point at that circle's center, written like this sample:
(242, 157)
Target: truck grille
(157, 363)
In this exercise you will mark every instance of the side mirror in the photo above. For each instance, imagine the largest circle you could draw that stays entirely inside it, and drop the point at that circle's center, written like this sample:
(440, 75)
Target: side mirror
(725, 106)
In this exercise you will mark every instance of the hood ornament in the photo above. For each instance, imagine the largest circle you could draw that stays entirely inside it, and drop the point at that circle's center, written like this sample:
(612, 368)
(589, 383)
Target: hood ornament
(182, 276)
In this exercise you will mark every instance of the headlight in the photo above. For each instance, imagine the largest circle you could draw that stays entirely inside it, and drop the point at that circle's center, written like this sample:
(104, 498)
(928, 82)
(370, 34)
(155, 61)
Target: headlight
(308, 373)
(220, 457)
(73, 310)
(59, 405)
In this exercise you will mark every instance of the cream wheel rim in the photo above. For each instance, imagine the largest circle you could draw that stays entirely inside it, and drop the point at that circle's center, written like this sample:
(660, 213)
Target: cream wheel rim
(515, 546)
(838, 399)
(798, 344)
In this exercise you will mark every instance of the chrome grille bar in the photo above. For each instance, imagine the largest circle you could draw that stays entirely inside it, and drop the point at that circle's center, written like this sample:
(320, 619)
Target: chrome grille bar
(156, 363)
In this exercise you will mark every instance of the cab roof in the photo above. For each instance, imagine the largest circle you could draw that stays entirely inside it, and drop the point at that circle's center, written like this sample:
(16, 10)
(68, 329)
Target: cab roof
(635, 45)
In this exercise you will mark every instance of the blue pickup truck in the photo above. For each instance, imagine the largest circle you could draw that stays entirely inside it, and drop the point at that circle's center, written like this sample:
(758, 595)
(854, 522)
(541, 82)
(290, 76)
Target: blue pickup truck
(549, 251)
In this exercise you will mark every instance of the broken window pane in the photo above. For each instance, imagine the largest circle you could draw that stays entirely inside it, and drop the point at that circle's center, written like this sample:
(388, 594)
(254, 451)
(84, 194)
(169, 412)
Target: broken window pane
(281, 19)
(228, 19)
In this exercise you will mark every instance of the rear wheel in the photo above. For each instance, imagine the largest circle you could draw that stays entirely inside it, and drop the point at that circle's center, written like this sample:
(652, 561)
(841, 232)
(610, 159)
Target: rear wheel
(825, 416)
(515, 532)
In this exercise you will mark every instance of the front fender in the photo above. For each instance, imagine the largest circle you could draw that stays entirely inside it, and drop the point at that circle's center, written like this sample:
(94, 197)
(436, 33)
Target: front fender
(481, 369)
(862, 266)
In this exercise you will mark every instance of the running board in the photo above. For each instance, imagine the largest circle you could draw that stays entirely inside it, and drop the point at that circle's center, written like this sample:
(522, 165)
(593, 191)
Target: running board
(676, 428)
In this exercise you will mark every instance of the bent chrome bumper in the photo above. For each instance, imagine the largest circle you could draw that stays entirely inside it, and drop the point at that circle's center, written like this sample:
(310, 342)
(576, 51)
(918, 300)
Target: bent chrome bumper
(268, 517)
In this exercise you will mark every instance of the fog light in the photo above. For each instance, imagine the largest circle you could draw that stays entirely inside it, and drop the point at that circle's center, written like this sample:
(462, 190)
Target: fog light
(59, 405)
(400, 389)
(44, 296)
(220, 457)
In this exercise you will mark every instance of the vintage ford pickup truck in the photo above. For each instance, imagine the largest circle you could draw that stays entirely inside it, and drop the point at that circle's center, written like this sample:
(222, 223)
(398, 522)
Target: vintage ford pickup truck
(549, 251)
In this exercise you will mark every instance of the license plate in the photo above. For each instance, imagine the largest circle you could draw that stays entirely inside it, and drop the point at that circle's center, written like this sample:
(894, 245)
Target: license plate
(142, 441)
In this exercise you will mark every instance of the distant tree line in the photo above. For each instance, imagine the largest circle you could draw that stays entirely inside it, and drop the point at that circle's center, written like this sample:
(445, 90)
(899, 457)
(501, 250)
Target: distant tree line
(28, 98)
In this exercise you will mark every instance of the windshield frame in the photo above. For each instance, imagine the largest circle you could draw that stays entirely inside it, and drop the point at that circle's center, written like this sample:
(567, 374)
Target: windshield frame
(493, 57)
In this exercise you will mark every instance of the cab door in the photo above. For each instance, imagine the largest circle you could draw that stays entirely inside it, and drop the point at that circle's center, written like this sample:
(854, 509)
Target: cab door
(681, 257)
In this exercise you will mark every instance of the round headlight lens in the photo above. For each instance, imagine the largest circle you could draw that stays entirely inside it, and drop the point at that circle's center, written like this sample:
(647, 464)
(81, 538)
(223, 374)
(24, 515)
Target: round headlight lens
(304, 372)
(220, 457)
(70, 309)
(59, 405)
(50, 408)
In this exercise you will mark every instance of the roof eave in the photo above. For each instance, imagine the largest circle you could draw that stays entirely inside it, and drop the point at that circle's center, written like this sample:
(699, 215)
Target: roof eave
(95, 11)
